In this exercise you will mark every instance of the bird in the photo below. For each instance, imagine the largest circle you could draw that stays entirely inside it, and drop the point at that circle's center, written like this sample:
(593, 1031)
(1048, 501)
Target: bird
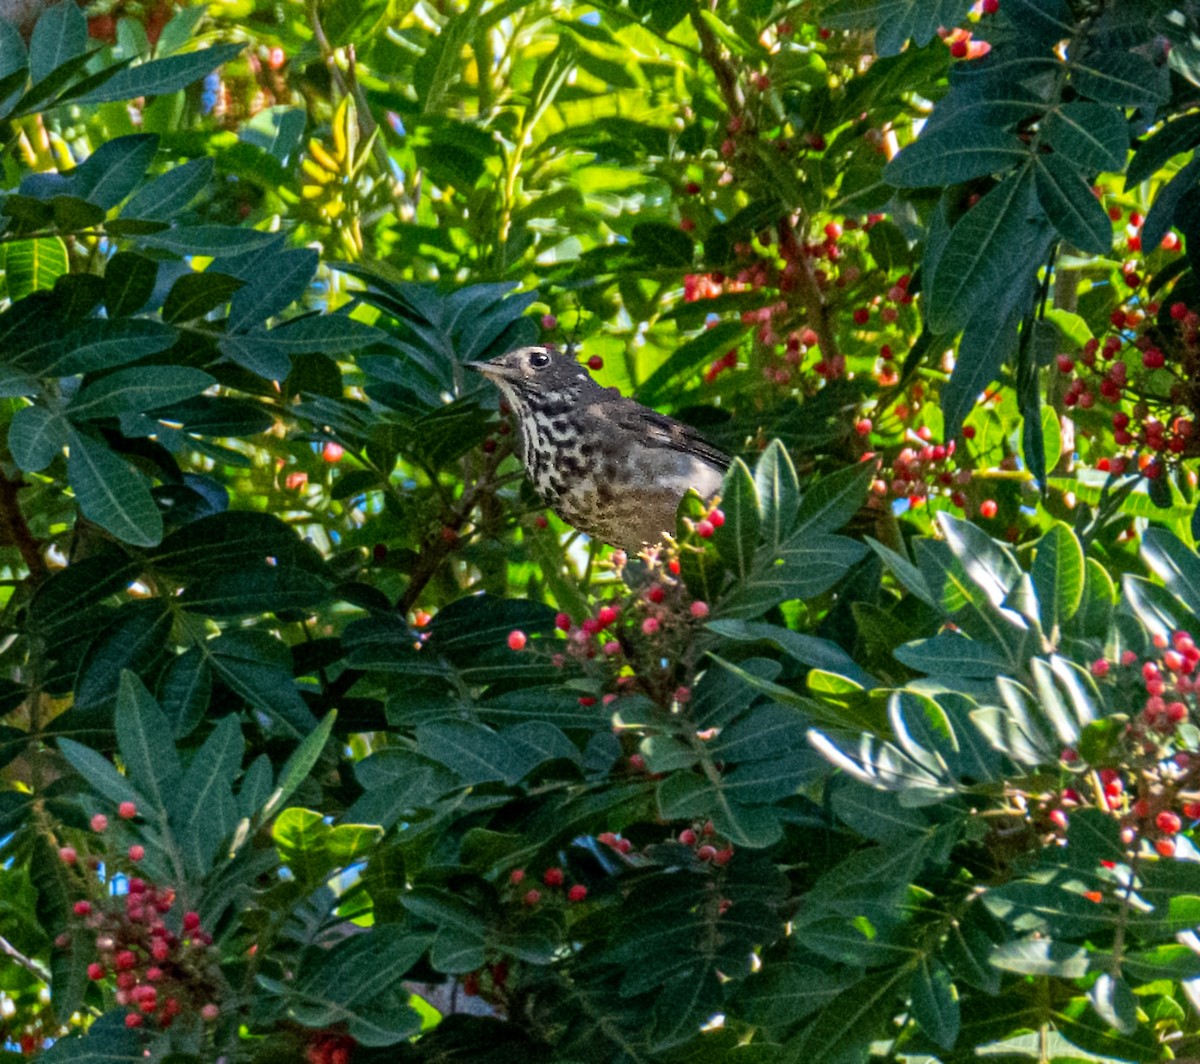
(604, 463)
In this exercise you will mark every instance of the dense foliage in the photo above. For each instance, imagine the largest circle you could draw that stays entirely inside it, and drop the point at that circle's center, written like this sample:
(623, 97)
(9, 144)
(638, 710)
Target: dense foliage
(320, 739)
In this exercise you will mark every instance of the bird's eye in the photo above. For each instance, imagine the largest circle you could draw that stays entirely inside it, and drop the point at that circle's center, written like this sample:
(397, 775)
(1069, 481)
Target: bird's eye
(539, 360)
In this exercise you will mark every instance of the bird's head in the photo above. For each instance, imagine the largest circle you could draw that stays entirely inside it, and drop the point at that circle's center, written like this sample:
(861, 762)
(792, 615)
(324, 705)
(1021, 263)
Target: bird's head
(531, 376)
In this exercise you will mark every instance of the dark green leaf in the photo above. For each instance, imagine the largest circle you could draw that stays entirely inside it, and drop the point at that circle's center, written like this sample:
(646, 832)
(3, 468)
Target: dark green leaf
(1171, 139)
(202, 807)
(99, 772)
(829, 504)
(1125, 78)
(112, 171)
(111, 493)
(1092, 136)
(208, 240)
(162, 75)
(895, 22)
(1070, 204)
(167, 195)
(128, 283)
(935, 1003)
(737, 538)
(137, 390)
(195, 294)
(274, 290)
(59, 36)
(952, 154)
(36, 437)
(147, 748)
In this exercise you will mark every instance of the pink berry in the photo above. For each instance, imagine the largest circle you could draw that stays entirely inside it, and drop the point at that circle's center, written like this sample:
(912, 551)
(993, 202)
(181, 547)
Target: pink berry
(706, 852)
(136, 852)
(209, 1012)
(688, 837)
(133, 1019)
(607, 615)
(577, 893)
(516, 640)
(532, 897)
(549, 321)
(95, 971)
(705, 528)
(698, 609)
(67, 855)
(650, 625)
(562, 622)
(99, 822)
(1100, 667)
(637, 762)
(717, 517)
(127, 810)
(125, 960)
(516, 876)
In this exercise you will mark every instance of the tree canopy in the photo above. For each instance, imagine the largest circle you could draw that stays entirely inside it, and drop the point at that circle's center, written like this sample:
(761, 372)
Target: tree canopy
(322, 739)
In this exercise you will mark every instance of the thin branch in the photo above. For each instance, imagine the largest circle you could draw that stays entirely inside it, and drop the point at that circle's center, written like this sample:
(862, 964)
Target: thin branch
(35, 968)
(18, 530)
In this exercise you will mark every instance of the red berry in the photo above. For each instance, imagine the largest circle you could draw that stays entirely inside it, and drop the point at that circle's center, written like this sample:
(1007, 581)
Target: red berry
(532, 897)
(562, 622)
(716, 517)
(127, 810)
(516, 640)
(650, 625)
(125, 960)
(1065, 363)
(595, 362)
(136, 852)
(959, 49)
(656, 594)
(1178, 311)
(704, 528)
(577, 893)
(333, 452)
(549, 321)
(833, 231)
(691, 188)
(82, 908)
(99, 822)
(1152, 358)
(688, 837)
(133, 1019)
(706, 852)
(553, 877)
(607, 615)
(862, 315)
(863, 426)
(1167, 822)
(990, 7)
(95, 971)
(1165, 847)
(516, 876)
(67, 855)
(988, 508)
(1100, 667)
(191, 921)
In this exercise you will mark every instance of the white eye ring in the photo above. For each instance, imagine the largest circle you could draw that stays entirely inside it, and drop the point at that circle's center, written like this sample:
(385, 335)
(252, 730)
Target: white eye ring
(539, 360)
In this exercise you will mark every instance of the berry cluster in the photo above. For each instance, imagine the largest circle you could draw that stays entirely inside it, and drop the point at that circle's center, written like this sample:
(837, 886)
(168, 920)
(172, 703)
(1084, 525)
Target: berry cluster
(161, 969)
(701, 838)
(329, 1047)
(554, 878)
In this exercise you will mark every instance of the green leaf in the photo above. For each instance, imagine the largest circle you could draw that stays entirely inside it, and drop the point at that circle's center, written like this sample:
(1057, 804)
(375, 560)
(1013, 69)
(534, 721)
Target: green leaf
(299, 764)
(33, 265)
(986, 344)
(137, 390)
(1171, 139)
(688, 357)
(737, 538)
(274, 290)
(1175, 564)
(112, 171)
(36, 437)
(195, 294)
(952, 154)
(202, 807)
(144, 738)
(477, 754)
(985, 247)
(161, 76)
(59, 36)
(210, 240)
(184, 691)
(778, 492)
(1069, 203)
(805, 566)
(1093, 136)
(829, 503)
(895, 22)
(935, 1002)
(1058, 576)
(99, 772)
(167, 195)
(97, 345)
(128, 283)
(1114, 1002)
(1031, 956)
(951, 654)
(807, 650)
(1161, 215)
(111, 493)
(1125, 78)
(661, 244)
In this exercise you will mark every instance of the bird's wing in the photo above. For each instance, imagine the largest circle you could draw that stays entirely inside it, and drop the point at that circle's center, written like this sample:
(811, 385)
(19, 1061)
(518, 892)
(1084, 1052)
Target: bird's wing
(663, 431)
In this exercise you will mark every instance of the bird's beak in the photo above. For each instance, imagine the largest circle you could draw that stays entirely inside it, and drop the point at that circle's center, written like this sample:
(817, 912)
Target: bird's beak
(492, 370)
